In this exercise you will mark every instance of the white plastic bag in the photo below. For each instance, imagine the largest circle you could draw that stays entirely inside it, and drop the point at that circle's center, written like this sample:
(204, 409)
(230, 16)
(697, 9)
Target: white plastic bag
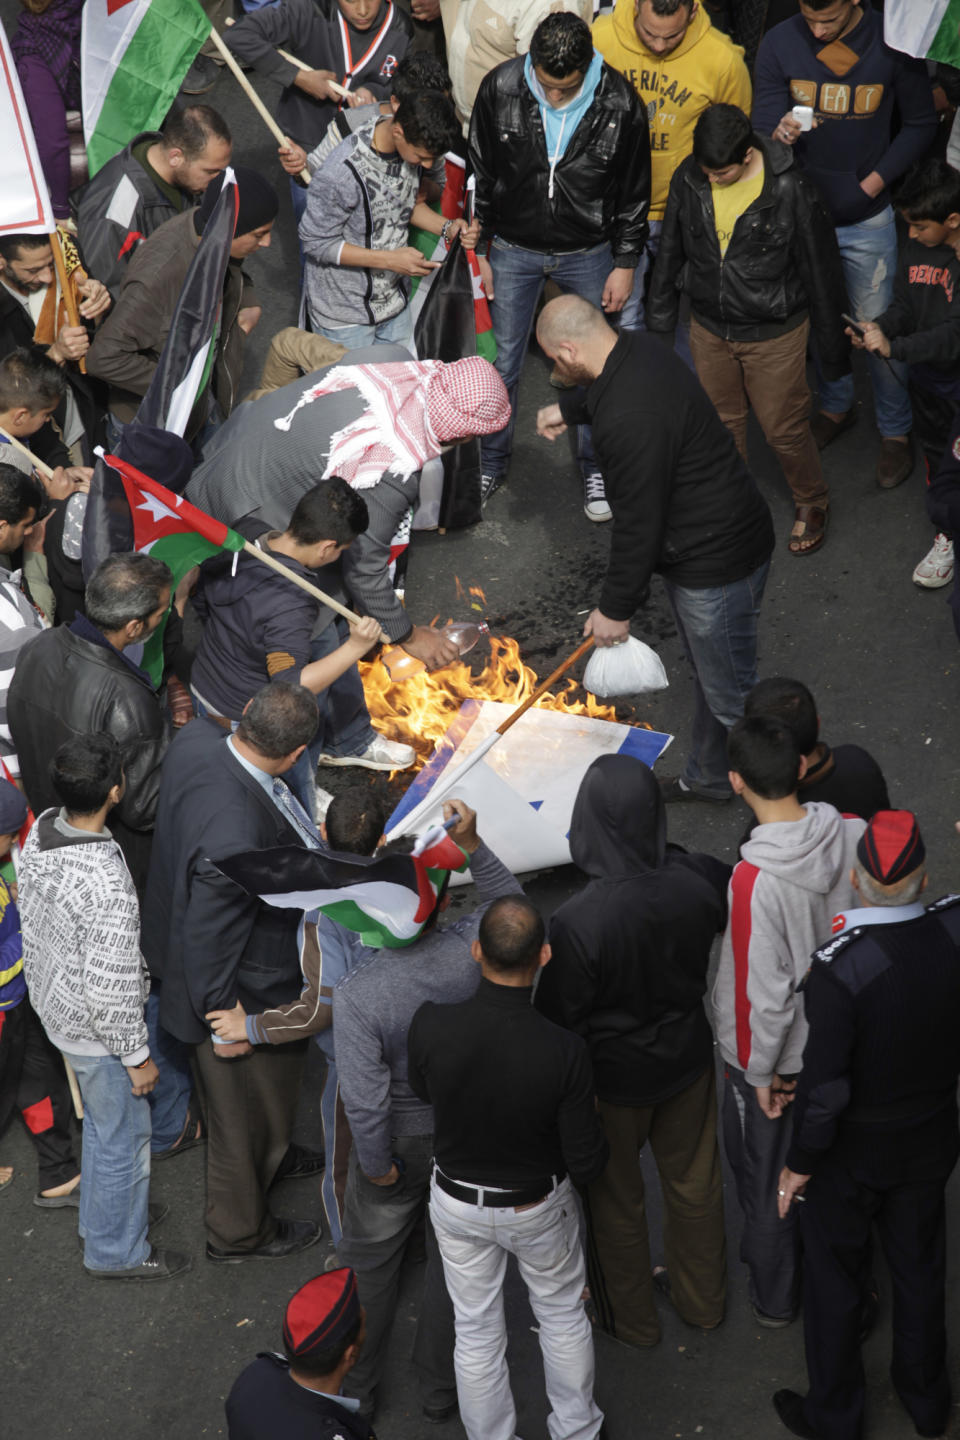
(628, 669)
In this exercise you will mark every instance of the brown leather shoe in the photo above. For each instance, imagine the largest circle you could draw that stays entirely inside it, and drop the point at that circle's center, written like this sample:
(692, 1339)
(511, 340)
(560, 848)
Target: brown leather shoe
(825, 429)
(895, 463)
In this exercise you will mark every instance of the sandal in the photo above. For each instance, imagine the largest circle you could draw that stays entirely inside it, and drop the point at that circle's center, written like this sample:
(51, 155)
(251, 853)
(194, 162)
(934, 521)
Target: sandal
(809, 524)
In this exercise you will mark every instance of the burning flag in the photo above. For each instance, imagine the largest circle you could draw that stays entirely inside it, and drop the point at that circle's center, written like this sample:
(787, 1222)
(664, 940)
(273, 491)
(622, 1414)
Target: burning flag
(134, 55)
(387, 901)
(24, 198)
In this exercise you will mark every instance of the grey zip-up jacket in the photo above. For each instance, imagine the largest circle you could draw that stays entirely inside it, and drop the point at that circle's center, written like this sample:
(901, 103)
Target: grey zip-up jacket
(793, 879)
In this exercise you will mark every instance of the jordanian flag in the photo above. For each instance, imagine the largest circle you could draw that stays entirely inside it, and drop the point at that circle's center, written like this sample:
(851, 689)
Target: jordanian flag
(452, 207)
(928, 29)
(185, 365)
(134, 55)
(387, 902)
(168, 527)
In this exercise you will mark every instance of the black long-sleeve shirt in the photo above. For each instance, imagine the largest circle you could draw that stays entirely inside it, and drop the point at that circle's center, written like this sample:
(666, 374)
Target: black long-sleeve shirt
(683, 502)
(512, 1093)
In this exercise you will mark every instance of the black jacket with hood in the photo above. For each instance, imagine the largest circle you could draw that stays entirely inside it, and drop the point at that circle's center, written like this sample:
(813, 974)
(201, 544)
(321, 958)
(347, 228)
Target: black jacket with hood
(630, 952)
(781, 265)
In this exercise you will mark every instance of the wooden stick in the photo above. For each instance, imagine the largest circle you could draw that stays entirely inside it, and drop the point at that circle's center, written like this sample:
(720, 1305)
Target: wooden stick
(544, 686)
(75, 1095)
(251, 94)
(35, 460)
(66, 290)
(313, 590)
(302, 65)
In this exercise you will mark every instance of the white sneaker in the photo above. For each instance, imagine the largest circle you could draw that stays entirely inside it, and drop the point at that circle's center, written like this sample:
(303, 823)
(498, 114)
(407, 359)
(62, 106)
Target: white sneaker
(380, 754)
(936, 567)
(595, 505)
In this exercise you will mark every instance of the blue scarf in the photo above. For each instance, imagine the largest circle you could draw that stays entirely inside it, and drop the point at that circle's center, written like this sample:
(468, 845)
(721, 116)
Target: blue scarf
(559, 125)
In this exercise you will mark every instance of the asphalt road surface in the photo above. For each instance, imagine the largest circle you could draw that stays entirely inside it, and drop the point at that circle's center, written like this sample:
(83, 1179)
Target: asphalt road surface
(84, 1359)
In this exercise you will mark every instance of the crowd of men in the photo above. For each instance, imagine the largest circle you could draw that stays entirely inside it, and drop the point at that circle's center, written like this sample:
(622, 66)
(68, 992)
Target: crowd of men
(490, 1083)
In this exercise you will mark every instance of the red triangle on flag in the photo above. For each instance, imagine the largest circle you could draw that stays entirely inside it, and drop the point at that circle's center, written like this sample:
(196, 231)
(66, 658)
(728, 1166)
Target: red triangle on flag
(114, 5)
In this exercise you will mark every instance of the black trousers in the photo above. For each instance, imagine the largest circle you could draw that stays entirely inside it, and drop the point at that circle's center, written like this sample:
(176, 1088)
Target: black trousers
(33, 1081)
(835, 1223)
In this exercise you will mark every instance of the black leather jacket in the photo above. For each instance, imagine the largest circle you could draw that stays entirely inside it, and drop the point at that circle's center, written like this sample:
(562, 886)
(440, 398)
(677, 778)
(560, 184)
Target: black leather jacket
(65, 685)
(782, 261)
(601, 185)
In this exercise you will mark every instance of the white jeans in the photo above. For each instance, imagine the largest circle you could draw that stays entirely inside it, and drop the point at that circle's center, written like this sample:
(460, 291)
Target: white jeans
(474, 1242)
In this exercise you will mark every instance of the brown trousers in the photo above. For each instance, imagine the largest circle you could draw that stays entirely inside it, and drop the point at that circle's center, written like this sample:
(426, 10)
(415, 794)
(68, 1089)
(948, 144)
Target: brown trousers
(250, 1107)
(682, 1132)
(770, 376)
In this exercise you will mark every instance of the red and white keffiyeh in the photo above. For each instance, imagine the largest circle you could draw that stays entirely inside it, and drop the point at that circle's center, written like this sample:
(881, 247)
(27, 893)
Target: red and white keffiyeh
(414, 408)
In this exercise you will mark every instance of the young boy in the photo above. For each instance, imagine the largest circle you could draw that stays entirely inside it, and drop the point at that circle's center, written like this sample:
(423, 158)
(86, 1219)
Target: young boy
(259, 626)
(360, 205)
(792, 880)
(922, 326)
(88, 984)
(32, 1077)
(31, 388)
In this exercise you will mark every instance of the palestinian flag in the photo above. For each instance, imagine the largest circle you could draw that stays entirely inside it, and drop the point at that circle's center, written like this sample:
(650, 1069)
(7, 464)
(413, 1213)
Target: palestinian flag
(452, 206)
(387, 901)
(134, 55)
(184, 368)
(929, 30)
(168, 527)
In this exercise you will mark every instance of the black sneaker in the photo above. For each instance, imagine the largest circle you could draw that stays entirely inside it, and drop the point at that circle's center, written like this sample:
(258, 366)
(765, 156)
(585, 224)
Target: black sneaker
(675, 790)
(595, 505)
(489, 485)
(159, 1265)
(201, 77)
(291, 1237)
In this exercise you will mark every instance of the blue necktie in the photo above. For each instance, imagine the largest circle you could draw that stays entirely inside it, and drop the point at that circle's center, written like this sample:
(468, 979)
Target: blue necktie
(285, 800)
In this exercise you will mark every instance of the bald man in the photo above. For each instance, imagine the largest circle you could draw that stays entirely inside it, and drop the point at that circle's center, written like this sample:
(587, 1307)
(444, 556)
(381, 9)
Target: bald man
(684, 506)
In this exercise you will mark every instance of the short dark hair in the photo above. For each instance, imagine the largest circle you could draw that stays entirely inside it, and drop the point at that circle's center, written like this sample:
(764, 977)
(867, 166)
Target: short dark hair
(11, 244)
(429, 121)
(511, 934)
(670, 7)
(355, 821)
(561, 45)
(84, 771)
(418, 71)
(323, 1362)
(28, 377)
(190, 128)
(930, 190)
(765, 754)
(125, 587)
(790, 702)
(20, 492)
(721, 137)
(819, 4)
(279, 719)
(330, 510)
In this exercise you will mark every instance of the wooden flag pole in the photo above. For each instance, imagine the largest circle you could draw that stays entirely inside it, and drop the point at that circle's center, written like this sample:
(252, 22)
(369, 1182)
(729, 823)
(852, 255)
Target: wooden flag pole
(66, 290)
(35, 460)
(302, 65)
(230, 61)
(75, 1095)
(313, 590)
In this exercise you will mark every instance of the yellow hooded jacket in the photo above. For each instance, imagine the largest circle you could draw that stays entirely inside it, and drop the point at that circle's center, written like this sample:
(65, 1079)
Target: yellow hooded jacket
(705, 69)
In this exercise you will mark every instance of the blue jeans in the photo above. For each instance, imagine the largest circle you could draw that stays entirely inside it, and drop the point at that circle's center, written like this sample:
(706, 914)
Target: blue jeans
(518, 278)
(170, 1096)
(633, 313)
(115, 1165)
(718, 628)
(398, 331)
(868, 252)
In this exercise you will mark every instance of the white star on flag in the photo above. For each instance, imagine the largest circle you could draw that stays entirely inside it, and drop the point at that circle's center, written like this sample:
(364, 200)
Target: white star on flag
(156, 508)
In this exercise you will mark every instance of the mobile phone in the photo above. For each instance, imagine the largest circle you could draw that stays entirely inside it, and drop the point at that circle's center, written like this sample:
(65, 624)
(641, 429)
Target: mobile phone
(855, 325)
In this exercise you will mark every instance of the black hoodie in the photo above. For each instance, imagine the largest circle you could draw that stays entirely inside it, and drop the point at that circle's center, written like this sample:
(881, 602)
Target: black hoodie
(630, 952)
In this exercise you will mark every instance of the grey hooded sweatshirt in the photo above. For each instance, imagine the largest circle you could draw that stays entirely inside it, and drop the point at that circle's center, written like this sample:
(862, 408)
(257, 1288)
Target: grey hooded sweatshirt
(793, 879)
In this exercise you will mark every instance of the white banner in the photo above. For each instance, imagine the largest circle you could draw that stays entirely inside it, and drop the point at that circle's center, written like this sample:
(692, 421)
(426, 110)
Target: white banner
(24, 197)
(524, 787)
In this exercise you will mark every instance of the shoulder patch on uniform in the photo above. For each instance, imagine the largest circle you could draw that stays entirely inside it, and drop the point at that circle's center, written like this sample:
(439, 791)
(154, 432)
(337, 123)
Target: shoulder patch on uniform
(948, 901)
(829, 952)
(838, 923)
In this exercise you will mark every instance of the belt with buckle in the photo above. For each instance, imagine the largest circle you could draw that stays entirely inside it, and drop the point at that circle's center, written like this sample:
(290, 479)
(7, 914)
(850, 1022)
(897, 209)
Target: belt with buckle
(498, 1199)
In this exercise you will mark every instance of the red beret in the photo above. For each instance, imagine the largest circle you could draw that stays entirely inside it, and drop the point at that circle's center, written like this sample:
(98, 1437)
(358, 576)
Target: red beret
(891, 847)
(322, 1312)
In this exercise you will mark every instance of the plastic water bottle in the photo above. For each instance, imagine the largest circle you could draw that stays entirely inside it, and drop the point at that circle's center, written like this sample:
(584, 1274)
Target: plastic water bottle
(463, 633)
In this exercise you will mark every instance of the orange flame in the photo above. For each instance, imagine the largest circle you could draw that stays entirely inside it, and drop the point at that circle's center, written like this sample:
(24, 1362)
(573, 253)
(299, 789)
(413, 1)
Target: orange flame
(420, 710)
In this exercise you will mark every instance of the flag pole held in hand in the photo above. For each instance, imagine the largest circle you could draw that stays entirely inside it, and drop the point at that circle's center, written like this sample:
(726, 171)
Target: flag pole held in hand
(230, 61)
